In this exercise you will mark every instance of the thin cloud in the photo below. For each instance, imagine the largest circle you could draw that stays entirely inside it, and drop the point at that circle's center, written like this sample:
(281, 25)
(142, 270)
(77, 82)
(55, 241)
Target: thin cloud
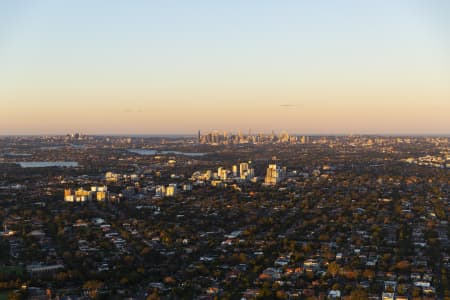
(287, 105)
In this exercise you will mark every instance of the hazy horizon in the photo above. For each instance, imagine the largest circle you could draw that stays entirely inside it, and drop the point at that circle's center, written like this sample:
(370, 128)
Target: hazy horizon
(194, 135)
(144, 67)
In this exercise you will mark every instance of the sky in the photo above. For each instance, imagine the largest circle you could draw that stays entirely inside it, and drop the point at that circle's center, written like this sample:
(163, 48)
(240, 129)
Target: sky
(175, 67)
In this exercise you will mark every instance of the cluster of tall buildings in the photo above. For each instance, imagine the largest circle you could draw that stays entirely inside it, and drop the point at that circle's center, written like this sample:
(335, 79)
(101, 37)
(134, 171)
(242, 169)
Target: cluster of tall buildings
(243, 172)
(99, 193)
(218, 138)
(240, 173)
(162, 191)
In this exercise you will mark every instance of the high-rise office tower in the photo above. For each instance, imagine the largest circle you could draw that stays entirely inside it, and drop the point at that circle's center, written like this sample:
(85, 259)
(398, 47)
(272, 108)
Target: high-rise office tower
(234, 170)
(243, 170)
(273, 174)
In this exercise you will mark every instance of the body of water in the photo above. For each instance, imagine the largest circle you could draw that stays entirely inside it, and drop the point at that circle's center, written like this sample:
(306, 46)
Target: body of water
(57, 147)
(155, 152)
(16, 154)
(47, 164)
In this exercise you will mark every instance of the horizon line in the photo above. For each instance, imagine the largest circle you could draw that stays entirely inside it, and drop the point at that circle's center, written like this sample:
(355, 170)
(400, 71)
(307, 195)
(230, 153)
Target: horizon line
(244, 134)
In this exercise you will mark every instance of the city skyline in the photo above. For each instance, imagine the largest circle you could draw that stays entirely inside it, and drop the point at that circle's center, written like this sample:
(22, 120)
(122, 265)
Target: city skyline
(174, 68)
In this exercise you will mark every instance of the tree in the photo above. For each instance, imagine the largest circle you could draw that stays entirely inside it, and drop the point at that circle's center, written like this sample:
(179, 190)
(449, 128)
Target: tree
(281, 294)
(333, 268)
(153, 296)
(93, 286)
(14, 296)
(369, 274)
(358, 294)
(403, 265)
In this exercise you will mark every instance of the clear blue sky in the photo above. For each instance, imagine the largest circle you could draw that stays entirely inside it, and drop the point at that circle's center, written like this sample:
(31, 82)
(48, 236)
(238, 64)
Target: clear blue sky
(178, 66)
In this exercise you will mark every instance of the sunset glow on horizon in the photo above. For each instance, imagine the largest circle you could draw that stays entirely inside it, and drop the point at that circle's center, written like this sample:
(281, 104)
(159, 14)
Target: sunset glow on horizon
(174, 67)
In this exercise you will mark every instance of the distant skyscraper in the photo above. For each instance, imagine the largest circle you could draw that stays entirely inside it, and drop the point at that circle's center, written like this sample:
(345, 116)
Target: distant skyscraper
(243, 169)
(171, 190)
(245, 172)
(273, 174)
(160, 191)
(222, 173)
(234, 169)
